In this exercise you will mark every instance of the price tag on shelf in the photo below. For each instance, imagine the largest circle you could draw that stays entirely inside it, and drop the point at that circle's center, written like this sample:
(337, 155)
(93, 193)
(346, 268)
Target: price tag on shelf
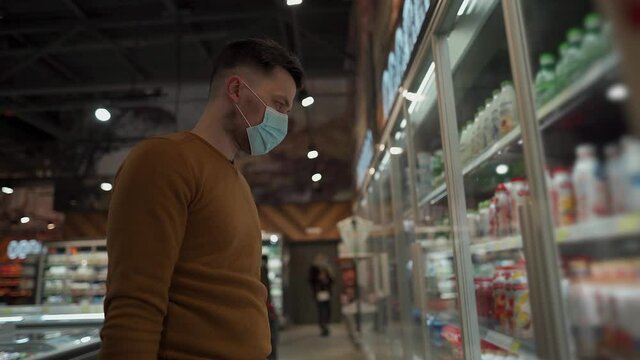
(502, 341)
(562, 234)
(628, 223)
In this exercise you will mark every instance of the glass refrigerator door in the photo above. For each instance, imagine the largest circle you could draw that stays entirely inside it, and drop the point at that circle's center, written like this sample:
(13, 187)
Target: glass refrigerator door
(583, 108)
(433, 263)
(494, 177)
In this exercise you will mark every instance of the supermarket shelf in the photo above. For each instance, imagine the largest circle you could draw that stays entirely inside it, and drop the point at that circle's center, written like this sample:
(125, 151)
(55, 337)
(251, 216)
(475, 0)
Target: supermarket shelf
(75, 265)
(600, 229)
(432, 229)
(492, 244)
(77, 278)
(549, 113)
(434, 194)
(517, 346)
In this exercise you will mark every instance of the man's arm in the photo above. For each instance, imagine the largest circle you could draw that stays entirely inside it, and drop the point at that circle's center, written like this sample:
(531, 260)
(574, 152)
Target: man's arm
(147, 220)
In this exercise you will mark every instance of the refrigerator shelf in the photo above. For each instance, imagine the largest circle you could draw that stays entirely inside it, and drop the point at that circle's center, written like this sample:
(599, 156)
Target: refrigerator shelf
(491, 244)
(525, 349)
(600, 229)
(553, 109)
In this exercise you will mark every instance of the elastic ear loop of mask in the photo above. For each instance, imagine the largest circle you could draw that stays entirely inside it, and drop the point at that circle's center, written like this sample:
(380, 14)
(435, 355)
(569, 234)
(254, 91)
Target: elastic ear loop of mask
(256, 95)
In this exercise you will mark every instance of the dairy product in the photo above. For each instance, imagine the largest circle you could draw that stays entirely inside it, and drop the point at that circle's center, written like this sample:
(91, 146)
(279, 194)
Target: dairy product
(519, 192)
(630, 160)
(503, 210)
(507, 107)
(563, 197)
(589, 186)
(492, 121)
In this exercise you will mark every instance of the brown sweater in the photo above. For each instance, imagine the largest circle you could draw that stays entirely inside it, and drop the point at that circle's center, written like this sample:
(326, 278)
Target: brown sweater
(184, 250)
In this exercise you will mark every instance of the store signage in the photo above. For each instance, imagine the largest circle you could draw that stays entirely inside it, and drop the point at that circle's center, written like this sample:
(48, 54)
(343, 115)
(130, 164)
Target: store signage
(414, 14)
(20, 249)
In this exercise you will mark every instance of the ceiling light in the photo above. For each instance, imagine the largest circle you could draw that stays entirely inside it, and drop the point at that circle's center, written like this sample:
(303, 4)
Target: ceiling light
(372, 171)
(312, 154)
(403, 123)
(25, 219)
(7, 190)
(294, 2)
(396, 150)
(22, 341)
(307, 101)
(381, 147)
(5, 319)
(411, 96)
(502, 169)
(102, 114)
(618, 92)
(273, 239)
(51, 226)
(316, 177)
(105, 186)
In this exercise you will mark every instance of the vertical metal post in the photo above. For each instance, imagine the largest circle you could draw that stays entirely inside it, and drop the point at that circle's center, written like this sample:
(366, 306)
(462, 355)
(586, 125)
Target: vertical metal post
(457, 201)
(552, 341)
(411, 158)
(417, 255)
(402, 254)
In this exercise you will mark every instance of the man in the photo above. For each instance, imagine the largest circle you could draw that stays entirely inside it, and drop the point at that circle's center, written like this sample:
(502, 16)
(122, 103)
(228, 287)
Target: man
(184, 240)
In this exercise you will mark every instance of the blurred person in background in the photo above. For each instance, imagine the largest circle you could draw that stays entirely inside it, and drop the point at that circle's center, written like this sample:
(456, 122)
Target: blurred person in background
(273, 316)
(183, 237)
(321, 281)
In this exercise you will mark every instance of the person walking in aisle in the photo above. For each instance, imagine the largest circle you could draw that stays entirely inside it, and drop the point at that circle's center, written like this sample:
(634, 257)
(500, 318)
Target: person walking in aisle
(321, 284)
(183, 236)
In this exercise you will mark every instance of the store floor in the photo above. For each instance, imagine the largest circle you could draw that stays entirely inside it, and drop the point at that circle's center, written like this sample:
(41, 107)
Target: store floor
(305, 343)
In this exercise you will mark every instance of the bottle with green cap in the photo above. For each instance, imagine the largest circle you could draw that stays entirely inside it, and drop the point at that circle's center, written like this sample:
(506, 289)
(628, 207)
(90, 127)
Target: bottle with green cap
(571, 64)
(594, 44)
(464, 142)
(545, 84)
(562, 51)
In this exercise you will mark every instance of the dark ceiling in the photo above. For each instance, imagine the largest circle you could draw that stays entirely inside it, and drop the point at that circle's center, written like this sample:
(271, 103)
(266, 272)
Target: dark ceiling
(148, 62)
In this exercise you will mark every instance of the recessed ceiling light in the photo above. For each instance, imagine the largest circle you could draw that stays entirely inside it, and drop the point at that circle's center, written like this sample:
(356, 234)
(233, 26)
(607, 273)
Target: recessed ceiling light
(273, 239)
(7, 190)
(312, 154)
(105, 186)
(25, 219)
(316, 177)
(308, 101)
(102, 114)
(294, 2)
(51, 226)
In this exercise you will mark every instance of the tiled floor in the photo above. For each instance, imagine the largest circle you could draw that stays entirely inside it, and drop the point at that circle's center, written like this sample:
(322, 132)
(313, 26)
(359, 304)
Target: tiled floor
(305, 343)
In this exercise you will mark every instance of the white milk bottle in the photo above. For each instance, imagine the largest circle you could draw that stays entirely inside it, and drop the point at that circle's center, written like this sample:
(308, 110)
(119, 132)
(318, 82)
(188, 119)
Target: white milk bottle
(615, 179)
(590, 188)
(630, 161)
(507, 108)
(491, 132)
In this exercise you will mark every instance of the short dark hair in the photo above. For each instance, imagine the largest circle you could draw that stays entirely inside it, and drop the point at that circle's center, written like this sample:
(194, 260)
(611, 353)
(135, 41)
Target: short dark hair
(264, 54)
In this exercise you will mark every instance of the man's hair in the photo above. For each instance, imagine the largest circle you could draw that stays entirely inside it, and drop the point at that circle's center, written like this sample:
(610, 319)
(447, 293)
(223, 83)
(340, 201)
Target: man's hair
(262, 54)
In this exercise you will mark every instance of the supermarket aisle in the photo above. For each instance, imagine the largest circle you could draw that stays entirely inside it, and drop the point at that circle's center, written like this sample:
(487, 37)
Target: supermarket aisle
(304, 342)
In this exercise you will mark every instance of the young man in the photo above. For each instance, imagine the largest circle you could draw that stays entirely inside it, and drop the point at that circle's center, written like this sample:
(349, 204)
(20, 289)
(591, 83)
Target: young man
(184, 238)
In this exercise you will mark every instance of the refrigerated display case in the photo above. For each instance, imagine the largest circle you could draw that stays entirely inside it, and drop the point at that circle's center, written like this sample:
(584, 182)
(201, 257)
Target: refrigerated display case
(50, 333)
(528, 244)
(272, 247)
(18, 276)
(74, 272)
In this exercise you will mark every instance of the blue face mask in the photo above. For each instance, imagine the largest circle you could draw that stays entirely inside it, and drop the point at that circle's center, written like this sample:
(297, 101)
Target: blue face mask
(270, 132)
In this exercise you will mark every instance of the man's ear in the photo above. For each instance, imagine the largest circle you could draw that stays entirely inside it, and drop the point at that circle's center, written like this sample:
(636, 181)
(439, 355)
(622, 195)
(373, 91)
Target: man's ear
(232, 88)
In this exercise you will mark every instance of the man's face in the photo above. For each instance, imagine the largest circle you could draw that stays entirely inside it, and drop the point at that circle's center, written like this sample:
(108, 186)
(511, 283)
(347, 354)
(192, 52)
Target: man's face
(276, 89)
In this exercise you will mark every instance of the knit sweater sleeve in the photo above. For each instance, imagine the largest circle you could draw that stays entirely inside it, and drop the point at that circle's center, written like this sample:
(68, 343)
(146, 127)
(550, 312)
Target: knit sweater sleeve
(147, 221)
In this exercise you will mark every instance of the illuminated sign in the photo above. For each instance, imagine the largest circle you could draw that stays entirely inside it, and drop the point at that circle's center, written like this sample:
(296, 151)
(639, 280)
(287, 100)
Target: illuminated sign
(414, 14)
(20, 249)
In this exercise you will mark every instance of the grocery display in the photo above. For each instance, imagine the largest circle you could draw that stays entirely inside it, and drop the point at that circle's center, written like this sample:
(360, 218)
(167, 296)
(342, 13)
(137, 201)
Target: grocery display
(18, 280)
(74, 272)
(486, 231)
(272, 247)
